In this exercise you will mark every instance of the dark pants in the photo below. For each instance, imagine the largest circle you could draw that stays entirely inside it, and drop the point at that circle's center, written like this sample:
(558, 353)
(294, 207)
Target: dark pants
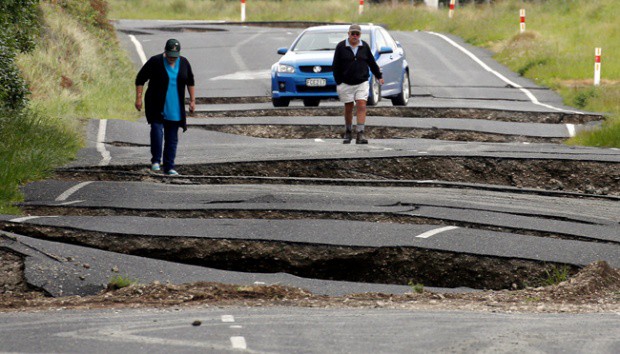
(164, 135)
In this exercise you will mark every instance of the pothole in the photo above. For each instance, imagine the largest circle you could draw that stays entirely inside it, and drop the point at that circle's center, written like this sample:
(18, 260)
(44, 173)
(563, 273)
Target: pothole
(372, 132)
(590, 177)
(385, 265)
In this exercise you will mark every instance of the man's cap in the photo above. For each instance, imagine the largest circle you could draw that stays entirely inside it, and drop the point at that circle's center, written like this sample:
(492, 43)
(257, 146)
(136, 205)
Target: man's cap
(355, 28)
(173, 48)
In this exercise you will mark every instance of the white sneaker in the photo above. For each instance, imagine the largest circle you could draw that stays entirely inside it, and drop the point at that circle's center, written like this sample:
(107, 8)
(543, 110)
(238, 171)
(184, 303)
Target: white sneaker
(172, 173)
(155, 167)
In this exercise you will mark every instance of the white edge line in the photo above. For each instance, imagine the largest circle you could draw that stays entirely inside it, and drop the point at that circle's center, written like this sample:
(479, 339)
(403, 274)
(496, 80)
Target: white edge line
(105, 154)
(71, 202)
(238, 342)
(139, 48)
(26, 218)
(66, 194)
(430, 233)
(527, 92)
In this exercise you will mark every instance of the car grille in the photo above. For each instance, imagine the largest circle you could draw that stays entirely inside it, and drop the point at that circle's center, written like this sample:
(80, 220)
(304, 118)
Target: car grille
(328, 88)
(310, 69)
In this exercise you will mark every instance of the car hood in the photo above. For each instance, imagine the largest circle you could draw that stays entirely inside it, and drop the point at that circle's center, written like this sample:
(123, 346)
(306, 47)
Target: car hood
(324, 57)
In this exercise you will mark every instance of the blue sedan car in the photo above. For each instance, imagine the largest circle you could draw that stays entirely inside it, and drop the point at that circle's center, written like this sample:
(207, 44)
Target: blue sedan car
(305, 70)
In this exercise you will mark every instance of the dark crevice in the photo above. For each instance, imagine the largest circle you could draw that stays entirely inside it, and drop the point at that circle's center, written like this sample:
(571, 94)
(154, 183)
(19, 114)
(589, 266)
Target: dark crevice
(385, 265)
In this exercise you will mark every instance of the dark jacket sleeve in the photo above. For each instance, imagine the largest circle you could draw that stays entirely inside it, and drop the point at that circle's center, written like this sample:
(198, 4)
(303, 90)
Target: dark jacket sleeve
(337, 64)
(372, 63)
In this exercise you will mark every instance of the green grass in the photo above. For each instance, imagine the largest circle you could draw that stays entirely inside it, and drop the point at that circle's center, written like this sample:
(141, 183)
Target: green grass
(119, 282)
(556, 275)
(31, 145)
(75, 74)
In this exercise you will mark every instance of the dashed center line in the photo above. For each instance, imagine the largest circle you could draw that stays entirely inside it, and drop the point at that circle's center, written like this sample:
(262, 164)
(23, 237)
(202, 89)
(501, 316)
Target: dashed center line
(238, 343)
(26, 218)
(228, 318)
(433, 232)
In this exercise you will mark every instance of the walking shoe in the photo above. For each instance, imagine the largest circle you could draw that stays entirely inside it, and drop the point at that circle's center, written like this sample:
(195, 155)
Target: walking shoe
(155, 167)
(347, 137)
(172, 173)
(360, 138)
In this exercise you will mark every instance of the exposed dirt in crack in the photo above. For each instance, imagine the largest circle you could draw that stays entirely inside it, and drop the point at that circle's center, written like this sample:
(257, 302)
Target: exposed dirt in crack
(273, 214)
(590, 177)
(335, 132)
(12, 270)
(384, 265)
(596, 288)
(413, 112)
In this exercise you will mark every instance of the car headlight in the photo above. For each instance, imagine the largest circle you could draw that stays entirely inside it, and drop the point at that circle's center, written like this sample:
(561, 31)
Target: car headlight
(283, 68)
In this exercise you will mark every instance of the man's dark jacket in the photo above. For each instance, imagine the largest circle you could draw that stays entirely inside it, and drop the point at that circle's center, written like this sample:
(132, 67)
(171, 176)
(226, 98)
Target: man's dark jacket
(353, 69)
(155, 73)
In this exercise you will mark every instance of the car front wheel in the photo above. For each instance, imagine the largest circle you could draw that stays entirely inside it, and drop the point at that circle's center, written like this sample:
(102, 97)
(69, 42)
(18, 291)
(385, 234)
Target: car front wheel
(375, 92)
(280, 102)
(403, 97)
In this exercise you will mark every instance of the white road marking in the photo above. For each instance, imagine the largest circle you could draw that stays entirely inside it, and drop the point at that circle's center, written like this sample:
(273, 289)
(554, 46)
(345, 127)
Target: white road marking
(105, 154)
(262, 282)
(243, 44)
(430, 233)
(527, 92)
(238, 343)
(571, 129)
(245, 75)
(228, 318)
(236, 327)
(66, 194)
(26, 218)
(139, 48)
(71, 202)
(319, 140)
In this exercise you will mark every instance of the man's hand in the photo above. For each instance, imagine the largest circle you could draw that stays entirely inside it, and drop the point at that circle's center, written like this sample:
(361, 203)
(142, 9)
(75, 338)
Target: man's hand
(138, 105)
(381, 81)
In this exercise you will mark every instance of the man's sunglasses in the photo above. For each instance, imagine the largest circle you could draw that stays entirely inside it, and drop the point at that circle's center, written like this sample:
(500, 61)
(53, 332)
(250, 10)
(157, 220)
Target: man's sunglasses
(355, 33)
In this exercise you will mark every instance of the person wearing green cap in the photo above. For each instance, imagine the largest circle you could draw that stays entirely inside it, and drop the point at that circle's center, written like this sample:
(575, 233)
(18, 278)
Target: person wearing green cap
(168, 74)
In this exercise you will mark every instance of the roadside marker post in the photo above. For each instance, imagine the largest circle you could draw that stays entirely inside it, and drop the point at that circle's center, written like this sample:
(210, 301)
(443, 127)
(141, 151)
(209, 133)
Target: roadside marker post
(360, 10)
(451, 11)
(597, 66)
(522, 16)
(242, 10)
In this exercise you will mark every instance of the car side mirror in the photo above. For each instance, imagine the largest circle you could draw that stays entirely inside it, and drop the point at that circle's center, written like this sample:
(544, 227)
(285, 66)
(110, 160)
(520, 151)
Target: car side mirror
(386, 50)
(282, 50)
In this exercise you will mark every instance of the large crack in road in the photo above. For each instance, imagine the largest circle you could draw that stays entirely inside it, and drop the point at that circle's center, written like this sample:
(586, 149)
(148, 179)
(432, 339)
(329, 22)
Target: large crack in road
(386, 265)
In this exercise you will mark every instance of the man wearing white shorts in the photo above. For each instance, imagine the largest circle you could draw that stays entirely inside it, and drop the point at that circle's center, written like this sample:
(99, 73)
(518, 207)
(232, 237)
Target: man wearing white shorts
(352, 59)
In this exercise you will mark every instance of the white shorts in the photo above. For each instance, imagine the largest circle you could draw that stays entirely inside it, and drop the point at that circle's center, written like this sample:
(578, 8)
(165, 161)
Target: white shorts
(350, 93)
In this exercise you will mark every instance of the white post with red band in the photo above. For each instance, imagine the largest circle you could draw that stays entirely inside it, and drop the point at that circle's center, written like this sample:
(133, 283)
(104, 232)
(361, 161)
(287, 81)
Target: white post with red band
(242, 10)
(522, 15)
(451, 11)
(361, 8)
(597, 66)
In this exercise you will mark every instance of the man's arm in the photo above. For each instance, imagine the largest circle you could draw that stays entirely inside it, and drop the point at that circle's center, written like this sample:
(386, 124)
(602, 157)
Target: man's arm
(138, 103)
(192, 99)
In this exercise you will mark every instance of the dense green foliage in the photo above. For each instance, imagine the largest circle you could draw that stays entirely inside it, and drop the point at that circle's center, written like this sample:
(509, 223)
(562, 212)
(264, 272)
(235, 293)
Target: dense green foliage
(20, 25)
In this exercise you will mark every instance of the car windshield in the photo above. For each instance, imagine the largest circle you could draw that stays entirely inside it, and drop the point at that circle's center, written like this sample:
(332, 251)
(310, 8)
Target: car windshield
(314, 41)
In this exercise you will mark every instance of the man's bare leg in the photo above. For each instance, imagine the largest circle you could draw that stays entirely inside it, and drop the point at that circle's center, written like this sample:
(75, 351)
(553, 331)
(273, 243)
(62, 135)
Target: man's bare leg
(361, 121)
(348, 122)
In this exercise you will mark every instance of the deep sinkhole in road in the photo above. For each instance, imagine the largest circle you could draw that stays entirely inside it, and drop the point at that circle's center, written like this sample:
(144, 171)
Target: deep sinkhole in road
(385, 265)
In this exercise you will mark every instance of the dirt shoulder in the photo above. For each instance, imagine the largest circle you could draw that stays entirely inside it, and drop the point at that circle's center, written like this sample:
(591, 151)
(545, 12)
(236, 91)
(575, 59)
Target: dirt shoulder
(596, 288)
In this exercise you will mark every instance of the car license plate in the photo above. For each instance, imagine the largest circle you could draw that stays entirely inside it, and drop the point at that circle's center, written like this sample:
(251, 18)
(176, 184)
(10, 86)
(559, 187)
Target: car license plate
(316, 82)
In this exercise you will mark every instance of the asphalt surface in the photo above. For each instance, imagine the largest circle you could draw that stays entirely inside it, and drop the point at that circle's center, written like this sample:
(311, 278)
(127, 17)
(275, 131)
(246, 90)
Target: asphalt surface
(298, 330)
(494, 221)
